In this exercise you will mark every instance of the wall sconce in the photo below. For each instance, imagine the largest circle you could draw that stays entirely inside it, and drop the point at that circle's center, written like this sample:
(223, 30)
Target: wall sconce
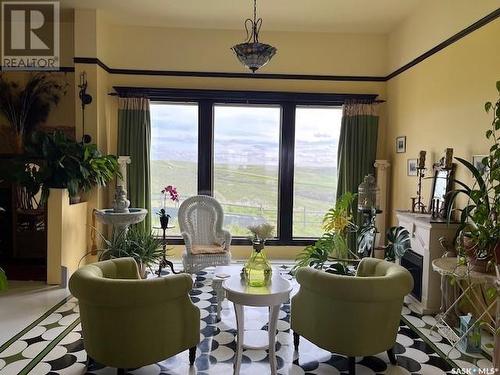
(85, 99)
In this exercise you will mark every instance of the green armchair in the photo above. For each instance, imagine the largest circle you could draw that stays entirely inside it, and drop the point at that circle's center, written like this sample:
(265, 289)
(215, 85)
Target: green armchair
(352, 316)
(128, 322)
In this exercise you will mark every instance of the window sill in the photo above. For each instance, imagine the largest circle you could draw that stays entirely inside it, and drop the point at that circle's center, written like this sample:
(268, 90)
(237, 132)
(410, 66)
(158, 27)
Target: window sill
(242, 241)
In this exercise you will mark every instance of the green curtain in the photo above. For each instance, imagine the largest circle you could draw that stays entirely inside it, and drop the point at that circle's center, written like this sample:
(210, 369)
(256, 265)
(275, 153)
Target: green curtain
(357, 151)
(357, 148)
(134, 140)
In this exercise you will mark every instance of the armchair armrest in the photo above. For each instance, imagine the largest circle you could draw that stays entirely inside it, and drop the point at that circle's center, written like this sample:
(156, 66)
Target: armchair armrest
(225, 239)
(187, 241)
(123, 292)
(126, 268)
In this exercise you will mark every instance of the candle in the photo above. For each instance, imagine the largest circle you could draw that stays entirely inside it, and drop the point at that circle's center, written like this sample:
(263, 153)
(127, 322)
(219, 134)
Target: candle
(448, 158)
(421, 159)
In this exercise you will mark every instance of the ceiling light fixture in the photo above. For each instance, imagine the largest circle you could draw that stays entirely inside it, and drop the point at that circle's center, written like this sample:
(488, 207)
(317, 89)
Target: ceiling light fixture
(252, 53)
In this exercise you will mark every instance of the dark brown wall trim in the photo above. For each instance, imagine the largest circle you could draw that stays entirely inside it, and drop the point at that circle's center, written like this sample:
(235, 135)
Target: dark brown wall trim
(177, 73)
(476, 25)
(307, 77)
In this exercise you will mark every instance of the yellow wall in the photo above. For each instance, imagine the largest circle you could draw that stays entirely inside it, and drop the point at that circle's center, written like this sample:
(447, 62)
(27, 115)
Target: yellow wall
(209, 50)
(432, 22)
(66, 235)
(439, 103)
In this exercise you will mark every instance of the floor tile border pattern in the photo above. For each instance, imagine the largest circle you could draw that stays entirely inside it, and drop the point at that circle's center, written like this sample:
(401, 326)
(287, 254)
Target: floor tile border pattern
(55, 318)
(26, 329)
(49, 347)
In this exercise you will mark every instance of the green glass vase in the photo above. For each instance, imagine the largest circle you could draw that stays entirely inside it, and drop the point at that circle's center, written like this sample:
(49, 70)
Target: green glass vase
(258, 270)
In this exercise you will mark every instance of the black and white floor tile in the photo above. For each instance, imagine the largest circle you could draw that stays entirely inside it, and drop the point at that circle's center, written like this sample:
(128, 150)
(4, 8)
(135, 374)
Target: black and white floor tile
(54, 346)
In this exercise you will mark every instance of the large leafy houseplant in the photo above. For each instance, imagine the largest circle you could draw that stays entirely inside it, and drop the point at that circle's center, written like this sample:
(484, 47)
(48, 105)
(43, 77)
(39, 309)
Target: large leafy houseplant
(25, 107)
(333, 244)
(398, 241)
(479, 230)
(69, 164)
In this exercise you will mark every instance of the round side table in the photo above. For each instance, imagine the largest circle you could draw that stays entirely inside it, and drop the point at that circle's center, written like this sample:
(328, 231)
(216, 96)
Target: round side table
(271, 296)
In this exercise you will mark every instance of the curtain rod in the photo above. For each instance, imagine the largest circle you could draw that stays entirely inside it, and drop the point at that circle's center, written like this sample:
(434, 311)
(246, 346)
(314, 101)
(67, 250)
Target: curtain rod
(155, 93)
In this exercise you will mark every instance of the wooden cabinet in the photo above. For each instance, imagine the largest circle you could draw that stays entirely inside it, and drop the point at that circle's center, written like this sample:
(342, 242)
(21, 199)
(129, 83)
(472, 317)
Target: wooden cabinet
(425, 247)
(23, 231)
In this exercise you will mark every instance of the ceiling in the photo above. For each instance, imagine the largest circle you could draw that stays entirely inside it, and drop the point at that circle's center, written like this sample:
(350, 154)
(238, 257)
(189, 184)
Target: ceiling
(337, 16)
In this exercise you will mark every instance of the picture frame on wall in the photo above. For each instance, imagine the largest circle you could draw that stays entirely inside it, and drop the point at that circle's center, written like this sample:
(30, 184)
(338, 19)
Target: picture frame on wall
(411, 167)
(401, 144)
(477, 161)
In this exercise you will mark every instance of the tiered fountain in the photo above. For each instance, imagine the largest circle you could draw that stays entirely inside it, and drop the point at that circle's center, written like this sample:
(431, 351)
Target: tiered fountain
(121, 216)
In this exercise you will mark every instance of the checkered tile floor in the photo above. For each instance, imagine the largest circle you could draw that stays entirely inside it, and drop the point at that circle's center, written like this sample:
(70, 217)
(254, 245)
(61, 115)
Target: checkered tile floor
(53, 345)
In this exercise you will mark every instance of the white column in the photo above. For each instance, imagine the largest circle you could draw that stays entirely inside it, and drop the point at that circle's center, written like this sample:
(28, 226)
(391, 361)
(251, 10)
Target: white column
(123, 161)
(382, 177)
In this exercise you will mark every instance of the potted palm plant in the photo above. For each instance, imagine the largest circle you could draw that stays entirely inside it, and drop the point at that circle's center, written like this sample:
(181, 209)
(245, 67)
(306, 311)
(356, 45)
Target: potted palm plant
(478, 235)
(142, 245)
(25, 107)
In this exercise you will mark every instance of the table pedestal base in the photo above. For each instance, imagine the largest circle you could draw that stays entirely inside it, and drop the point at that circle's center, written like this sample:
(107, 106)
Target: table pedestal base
(240, 322)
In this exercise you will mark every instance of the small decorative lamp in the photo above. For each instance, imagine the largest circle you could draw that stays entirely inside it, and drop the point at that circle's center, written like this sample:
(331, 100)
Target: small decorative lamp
(368, 194)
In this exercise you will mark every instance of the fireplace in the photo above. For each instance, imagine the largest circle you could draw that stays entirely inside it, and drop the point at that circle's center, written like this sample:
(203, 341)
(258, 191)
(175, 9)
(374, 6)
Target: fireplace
(413, 262)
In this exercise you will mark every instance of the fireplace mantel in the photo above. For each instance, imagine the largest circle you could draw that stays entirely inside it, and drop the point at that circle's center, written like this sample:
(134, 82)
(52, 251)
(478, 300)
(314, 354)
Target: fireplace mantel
(425, 233)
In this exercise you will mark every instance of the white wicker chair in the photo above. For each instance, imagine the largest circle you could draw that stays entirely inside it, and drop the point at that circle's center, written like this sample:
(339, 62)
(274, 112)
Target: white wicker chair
(200, 221)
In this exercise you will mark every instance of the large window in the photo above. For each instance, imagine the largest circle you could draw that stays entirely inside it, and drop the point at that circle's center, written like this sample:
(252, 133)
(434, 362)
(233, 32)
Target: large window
(174, 156)
(246, 164)
(265, 156)
(317, 133)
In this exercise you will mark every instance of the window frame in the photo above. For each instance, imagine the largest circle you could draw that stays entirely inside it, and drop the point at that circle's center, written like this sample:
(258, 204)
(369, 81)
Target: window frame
(288, 101)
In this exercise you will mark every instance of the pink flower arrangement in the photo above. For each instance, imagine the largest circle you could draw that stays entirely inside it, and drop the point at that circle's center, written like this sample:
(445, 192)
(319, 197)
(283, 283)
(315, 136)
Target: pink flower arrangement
(172, 190)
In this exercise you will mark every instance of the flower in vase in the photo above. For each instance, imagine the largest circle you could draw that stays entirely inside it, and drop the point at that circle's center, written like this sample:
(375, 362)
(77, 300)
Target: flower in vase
(262, 231)
(172, 191)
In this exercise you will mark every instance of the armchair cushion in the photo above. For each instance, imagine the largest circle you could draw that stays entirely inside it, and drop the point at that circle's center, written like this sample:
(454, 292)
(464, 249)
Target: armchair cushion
(207, 249)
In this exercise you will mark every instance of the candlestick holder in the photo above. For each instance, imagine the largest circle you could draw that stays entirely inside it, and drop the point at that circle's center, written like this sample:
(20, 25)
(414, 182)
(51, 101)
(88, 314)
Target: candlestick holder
(417, 204)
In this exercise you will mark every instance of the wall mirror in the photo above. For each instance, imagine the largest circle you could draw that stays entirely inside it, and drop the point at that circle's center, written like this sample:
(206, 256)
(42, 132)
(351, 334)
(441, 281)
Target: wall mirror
(441, 185)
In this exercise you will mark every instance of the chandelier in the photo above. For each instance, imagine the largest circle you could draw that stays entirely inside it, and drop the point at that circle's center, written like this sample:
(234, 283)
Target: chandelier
(252, 53)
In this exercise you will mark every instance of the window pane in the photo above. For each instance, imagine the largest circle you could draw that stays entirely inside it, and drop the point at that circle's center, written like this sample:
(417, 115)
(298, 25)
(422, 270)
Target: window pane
(174, 156)
(317, 133)
(246, 159)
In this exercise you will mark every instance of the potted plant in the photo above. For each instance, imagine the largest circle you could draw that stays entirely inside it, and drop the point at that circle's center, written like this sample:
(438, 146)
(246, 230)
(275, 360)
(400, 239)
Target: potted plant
(137, 243)
(333, 244)
(478, 235)
(398, 239)
(26, 107)
(69, 164)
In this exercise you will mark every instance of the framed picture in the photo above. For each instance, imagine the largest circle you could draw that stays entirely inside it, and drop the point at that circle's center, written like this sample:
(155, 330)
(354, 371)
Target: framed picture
(411, 167)
(401, 144)
(477, 161)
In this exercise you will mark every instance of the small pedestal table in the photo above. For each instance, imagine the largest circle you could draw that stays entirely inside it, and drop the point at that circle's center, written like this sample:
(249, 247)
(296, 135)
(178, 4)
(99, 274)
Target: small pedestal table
(271, 296)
